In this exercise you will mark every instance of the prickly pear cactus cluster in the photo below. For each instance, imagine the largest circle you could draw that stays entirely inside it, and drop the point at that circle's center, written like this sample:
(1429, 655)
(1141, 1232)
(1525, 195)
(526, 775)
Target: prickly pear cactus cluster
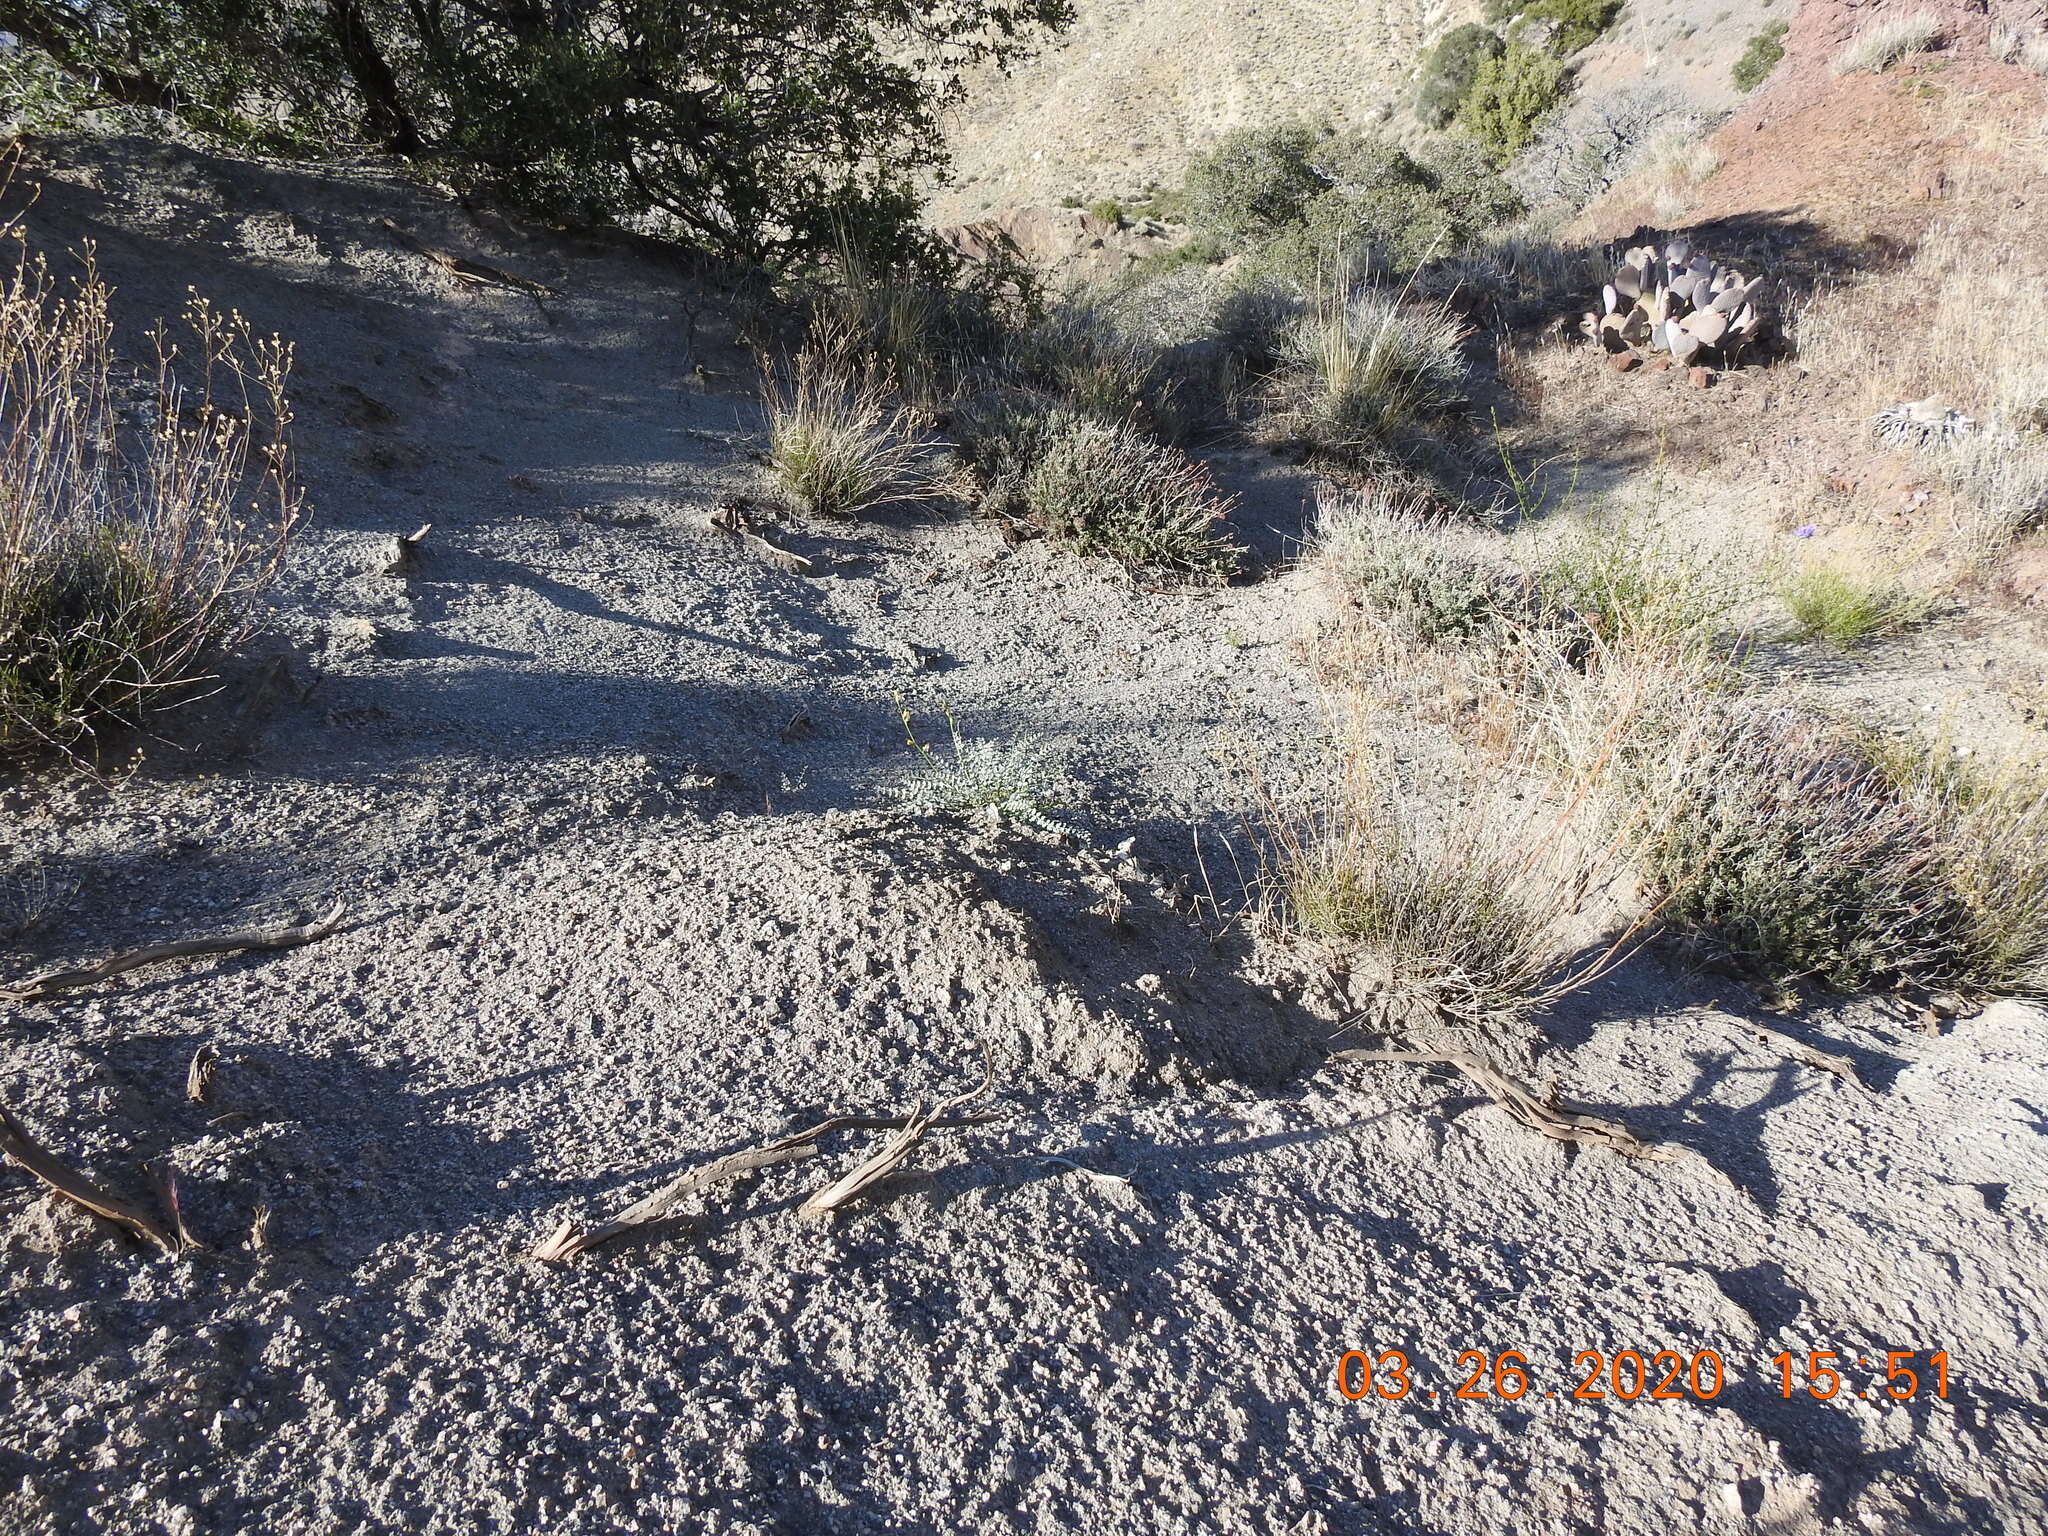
(1675, 300)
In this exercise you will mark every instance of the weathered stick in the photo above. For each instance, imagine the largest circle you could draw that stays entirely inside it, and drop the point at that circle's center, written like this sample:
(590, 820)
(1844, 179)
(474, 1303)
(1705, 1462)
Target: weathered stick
(1546, 1115)
(1800, 1051)
(24, 1149)
(470, 273)
(731, 518)
(567, 1240)
(33, 987)
(199, 1076)
(874, 1169)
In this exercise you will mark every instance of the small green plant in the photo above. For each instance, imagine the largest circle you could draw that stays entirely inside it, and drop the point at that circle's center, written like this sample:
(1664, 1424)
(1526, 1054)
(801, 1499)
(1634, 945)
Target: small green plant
(836, 444)
(1886, 42)
(1847, 607)
(1015, 782)
(1105, 488)
(1509, 99)
(1766, 49)
(1107, 209)
(1632, 584)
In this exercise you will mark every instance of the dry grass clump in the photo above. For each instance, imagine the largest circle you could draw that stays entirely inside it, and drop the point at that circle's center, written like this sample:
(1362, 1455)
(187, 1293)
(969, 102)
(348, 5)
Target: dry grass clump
(1886, 42)
(1629, 582)
(836, 442)
(1847, 606)
(140, 516)
(1389, 552)
(1474, 914)
(1105, 488)
(1361, 368)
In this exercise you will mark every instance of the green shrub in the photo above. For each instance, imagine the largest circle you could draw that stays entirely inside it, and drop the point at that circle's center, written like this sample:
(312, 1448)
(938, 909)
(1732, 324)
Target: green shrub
(1108, 209)
(1104, 488)
(1393, 210)
(1510, 97)
(1390, 554)
(1847, 607)
(1255, 182)
(1447, 76)
(1760, 57)
(1579, 22)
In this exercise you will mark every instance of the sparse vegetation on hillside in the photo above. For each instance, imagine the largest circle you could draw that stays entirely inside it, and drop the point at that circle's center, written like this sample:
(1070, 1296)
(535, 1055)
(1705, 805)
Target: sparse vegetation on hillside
(142, 515)
(1886, 41)
(1578, 23)
(1766, 49)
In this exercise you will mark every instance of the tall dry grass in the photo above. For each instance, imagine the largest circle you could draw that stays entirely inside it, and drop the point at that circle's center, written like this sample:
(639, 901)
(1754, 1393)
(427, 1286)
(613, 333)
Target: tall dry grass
(142, 509)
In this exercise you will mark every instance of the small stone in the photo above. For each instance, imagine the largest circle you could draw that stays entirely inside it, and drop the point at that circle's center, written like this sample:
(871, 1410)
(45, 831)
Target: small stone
(1700, 378)
(1621, 362)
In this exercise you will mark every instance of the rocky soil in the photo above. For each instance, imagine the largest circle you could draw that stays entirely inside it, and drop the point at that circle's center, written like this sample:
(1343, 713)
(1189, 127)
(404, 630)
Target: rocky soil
(608, 800)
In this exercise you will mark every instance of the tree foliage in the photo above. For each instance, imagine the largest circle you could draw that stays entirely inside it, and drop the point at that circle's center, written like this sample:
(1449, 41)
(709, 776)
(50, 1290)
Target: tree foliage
(1448, 74)
(761, 130)
(1509, 99)
(1578, 22)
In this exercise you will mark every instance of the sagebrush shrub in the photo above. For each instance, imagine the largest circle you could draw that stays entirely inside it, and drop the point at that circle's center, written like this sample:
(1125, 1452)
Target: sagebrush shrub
(1105, 488)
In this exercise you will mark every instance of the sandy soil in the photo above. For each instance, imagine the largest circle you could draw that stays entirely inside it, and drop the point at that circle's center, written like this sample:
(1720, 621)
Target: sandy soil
(607, 799)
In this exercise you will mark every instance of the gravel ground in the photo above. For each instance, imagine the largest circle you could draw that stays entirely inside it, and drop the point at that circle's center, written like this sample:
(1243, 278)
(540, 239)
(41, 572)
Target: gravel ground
(608, 802)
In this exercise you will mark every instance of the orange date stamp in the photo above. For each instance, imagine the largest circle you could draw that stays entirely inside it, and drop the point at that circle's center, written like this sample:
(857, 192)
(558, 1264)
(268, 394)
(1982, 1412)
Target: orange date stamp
(1663, 1375)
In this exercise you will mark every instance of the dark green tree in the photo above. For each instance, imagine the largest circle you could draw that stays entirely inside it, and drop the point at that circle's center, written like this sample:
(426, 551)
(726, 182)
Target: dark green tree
(762, 130)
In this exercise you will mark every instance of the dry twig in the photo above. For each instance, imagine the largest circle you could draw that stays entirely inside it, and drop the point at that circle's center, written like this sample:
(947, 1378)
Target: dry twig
(24, 1149)
(1546, 1115)
(32, 988)
(731, 518)
(567, 1241)
(874, 1169)
(1800, 1051)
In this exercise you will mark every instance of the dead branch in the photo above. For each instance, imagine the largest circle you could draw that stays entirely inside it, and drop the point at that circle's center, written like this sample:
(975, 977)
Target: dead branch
(25, 1150)
(33, 987)
(1546, 1115)
(731, 518)
(1800, 1051)
(199, 1076)
(467, 272)
(567, 1241)
(874, 1169)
